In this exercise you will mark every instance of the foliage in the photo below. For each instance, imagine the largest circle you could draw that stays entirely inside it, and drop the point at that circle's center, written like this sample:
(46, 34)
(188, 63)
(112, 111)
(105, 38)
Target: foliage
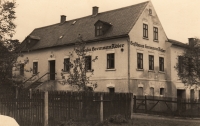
(114, 119)
(8, 47)
(7, 16)
(188, 66)
(79, 74)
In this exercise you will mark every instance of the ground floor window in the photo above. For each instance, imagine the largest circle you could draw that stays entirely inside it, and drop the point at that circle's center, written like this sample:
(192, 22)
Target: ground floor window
(140, 91)
(22, 69)
(151, 62)
(139, 60)
(161, 64)
(151, 91)
(35, 67)
(66, 65)
(162, 91)
(88, 62)
(192, 94)
(111, 90)
(110, 61)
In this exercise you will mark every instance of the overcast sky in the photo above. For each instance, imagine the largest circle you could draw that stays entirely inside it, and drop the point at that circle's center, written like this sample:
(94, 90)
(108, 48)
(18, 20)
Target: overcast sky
(179, 18)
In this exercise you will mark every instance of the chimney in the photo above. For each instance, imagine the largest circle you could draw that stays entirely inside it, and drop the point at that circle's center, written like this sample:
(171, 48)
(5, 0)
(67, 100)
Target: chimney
(192, 41)
(95, 10)
(62, 19)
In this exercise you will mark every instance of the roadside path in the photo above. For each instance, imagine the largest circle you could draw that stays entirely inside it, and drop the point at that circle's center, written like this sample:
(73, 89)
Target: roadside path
(158, 117)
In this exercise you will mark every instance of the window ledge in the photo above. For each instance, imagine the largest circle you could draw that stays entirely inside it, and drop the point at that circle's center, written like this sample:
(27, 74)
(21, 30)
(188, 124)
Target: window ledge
(140, 69)
(89, 71)
(151, 71)
(145, 38)
(65, 72)
(110, 69)
(161, 72)
(155, 40)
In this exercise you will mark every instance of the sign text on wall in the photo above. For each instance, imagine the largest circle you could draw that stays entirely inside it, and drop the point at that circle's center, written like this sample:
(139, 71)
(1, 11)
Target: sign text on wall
(148, 47)
(112, 46)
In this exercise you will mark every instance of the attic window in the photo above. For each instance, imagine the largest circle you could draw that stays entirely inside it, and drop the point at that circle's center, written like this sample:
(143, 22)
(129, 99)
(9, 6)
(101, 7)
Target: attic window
(99, 30)
(101, 27)
(150, 12)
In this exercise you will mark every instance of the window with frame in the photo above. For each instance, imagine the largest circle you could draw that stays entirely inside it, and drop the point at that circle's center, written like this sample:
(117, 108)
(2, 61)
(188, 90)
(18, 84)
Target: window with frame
(140, 91)
(110, 61)
(151, 91)
(139, 60)
(88, 63)
(155, 33)
(145, 31)
(35, 67)
(180, 64)
(22, 69)
(162, 91)
(151, 62)
(111, 90)
(99, 30)
(161, 64)
(66, 65)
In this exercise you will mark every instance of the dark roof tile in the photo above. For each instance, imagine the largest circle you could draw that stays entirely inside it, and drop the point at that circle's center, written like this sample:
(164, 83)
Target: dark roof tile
(122, 20)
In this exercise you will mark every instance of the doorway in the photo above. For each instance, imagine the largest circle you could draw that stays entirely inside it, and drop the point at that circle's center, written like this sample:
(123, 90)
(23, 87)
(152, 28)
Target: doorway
(181, 95)
(52, 69)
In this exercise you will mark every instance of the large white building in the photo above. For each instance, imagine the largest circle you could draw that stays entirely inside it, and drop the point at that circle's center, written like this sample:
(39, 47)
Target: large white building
(134, 53)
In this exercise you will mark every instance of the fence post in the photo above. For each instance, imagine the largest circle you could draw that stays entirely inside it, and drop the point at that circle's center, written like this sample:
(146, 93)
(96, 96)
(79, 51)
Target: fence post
(30, 93)
(131, 103)
(134, 103)
(46, 108)
(145, 103)
(101, 108)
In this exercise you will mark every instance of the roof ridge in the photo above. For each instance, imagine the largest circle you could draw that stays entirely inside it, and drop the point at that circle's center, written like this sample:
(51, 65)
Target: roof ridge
(91, 15)
(123, 7)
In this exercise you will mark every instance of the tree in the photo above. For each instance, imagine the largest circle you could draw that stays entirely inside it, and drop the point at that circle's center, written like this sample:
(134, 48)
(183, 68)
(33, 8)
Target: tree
(79, 64)
(188, 66)
(8, 47)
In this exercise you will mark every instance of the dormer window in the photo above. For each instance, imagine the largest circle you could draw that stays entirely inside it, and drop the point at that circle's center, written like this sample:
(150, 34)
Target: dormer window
(101, 27)
(99, 30)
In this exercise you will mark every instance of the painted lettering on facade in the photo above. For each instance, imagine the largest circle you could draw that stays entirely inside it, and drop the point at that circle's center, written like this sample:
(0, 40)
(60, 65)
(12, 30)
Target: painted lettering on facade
(113, 46)
(146, 46)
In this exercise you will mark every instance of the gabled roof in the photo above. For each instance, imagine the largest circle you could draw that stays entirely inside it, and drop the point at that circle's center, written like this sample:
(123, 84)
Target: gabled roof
(177, 43)
(122, 21)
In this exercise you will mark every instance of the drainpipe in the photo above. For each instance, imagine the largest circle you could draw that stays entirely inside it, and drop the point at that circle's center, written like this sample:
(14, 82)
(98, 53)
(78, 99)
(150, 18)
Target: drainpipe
(128, 43)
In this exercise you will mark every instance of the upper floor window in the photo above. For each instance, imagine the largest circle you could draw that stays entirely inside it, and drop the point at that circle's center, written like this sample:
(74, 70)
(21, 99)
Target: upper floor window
(66, 64)
(99, 30)
(150, 11)
(161, 64)
(180, 64)
(139, 60)
(35, 67)
(155, 33)
(151, 62)
(88, 63)
(145, 31)
(110, 61)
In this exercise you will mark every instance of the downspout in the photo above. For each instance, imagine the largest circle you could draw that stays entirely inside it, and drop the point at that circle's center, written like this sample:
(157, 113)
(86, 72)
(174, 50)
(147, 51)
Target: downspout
(128, 43)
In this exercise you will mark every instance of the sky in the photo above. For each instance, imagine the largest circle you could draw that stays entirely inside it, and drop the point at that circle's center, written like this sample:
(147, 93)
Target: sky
(179, 18)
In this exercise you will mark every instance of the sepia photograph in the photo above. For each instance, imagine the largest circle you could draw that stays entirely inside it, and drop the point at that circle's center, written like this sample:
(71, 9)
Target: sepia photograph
(99, 63)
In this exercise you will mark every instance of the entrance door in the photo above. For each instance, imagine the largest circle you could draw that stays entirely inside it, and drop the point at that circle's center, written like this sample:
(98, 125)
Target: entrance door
(180, 96)
(180, 93)
(52, 69)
